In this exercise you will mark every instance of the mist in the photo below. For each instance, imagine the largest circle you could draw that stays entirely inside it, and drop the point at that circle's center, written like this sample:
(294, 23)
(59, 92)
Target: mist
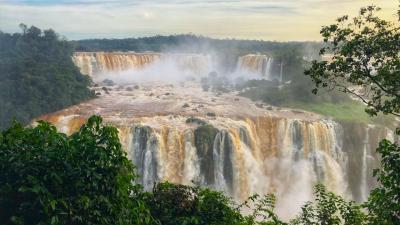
(175, 68)
(162, 71)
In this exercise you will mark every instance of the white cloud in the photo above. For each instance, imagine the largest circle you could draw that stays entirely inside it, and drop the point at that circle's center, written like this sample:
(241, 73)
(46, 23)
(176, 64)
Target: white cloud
(254, 19)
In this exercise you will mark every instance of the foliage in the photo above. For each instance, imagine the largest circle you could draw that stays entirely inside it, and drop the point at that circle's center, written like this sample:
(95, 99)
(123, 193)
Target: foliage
(49, 178)
(188, 43)
(384, 201)
(294, 91)
(348, 111)
(329, 209)
(365, 52)
(262, 208)
(37, 75)
(180, 204)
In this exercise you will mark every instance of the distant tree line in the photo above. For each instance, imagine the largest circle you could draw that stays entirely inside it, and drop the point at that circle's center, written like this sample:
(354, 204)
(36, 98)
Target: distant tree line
(187, 43)
(37, 75)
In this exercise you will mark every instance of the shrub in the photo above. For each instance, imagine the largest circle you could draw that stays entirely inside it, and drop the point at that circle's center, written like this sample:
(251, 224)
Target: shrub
(47, 177)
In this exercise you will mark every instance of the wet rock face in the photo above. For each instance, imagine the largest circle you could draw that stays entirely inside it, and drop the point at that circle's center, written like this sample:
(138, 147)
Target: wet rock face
(360, 142)
(143, 153)
(204, 139)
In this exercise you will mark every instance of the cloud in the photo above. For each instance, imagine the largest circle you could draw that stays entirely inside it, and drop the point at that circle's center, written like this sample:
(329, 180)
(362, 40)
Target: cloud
(251, 19)
(62, 2)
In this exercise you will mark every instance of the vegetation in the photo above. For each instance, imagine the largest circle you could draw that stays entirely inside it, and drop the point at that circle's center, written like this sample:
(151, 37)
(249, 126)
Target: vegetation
(383, 203)
(294, 92)
(329, 209)
(366, 53)
(179, 204)
(47, 177)
(347, 111)
(37, 75)
(294, 86)
(187, 42)
(86, 178)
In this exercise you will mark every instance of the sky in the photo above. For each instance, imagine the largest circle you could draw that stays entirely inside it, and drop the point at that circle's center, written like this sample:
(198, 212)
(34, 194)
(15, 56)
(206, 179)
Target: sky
(279, 20)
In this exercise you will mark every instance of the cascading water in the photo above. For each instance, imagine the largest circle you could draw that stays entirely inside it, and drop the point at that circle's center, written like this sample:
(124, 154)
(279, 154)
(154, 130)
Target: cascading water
(364, 172)
(253, 155)
(94, 63)
(243, 156)
(144, 156)
(225, 141)
(91, 63)
(260, 65)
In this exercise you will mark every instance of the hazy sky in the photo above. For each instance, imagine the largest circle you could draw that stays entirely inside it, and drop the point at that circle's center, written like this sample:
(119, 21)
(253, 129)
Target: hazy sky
(248, 19)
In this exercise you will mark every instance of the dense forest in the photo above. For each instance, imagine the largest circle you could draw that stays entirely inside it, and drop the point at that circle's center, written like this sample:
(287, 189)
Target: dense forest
(37, 75)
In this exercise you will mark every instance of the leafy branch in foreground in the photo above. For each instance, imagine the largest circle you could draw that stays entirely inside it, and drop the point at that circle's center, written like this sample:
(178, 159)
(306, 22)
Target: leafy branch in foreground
(366, 55)
(329, 209)
(384, 201)
(365, 60)
(262, 208)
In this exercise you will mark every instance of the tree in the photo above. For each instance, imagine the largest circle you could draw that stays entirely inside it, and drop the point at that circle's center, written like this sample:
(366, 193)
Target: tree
(37, 75)
(181, 204)
(262, 208)
(384, 201)
(47, 177)
(330, 209)
(366, 53)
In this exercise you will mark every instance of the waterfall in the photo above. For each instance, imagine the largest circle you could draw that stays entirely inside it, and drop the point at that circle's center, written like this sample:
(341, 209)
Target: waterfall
(98, 63)
(260, 65)
(250, 156)
(223, 162)
(242, 150)
(241, 157)
(143, 153)
(94, 63)
(191, 168)
(364, 167)
(234, 157)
